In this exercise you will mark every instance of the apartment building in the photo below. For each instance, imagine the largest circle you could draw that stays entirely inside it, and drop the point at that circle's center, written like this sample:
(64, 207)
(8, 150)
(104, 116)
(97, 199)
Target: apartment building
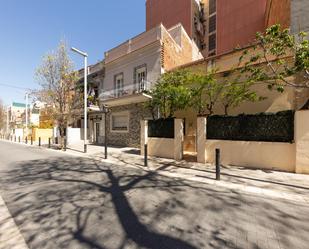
(219, 26)
(131, 70)
(95, 122)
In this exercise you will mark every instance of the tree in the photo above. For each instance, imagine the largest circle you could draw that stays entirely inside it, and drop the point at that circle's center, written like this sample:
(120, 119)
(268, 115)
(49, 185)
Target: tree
(206, 92)
(57, 80)
(284, 54)
(235, 93)
(171, 93)
(2, 115)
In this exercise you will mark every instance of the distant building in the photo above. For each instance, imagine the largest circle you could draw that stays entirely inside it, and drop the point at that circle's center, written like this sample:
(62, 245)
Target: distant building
(16, 114)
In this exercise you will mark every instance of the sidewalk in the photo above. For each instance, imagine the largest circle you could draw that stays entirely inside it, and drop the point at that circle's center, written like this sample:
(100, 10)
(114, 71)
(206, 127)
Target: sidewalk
(272, 184)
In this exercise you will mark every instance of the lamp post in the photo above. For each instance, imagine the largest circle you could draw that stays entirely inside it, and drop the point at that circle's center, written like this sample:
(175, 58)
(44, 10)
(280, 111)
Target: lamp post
(7, 121)
(85, 55)
(105, 110)
(26, 114)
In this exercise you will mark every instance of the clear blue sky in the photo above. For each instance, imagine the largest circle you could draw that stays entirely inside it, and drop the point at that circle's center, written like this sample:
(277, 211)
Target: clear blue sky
(31, 28)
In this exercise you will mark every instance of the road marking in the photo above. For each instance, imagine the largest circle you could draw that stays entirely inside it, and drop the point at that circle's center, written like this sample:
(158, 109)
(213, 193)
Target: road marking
(10, 236)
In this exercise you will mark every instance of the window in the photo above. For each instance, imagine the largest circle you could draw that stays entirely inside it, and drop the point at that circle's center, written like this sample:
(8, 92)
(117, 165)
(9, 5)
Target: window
(212, 6)
(212, 24)
(212, 42)
(140, 76)
(120, 122)
(118, 85)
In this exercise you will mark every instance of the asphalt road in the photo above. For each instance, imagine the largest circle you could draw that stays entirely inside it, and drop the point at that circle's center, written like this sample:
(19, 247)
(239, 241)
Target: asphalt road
(59, 201)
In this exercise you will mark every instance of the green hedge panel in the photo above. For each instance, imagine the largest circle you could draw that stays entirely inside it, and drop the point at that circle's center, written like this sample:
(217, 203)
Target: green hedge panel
(267, 127)
(162, 128)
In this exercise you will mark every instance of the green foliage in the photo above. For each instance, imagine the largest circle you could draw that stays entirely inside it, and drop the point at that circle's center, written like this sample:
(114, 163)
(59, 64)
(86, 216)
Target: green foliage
(285, 55)
(206, 92)
(181, 89)
(268, 127)
(171, 93)
(235, 93)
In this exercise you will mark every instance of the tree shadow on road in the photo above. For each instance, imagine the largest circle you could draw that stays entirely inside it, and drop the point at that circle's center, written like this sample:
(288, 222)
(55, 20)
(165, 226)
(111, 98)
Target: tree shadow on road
(81, 203)
(83, 187)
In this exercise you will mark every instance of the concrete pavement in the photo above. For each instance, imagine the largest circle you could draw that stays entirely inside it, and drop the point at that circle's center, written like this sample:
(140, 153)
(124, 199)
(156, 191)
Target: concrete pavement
(61, 201)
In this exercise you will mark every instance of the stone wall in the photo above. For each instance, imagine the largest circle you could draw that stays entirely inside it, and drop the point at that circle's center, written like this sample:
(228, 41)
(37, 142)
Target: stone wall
(137, 112)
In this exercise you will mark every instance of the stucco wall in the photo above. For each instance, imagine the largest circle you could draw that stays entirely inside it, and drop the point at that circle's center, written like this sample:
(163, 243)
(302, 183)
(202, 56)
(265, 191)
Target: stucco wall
(19, 133)
(299, 16)
(43, 133)
(161, 147)
(266, 155)
(302, 141)
(73, 135)
(149, 55)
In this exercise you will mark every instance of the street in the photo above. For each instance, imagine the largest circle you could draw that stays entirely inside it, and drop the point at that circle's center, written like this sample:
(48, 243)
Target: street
(60, 201)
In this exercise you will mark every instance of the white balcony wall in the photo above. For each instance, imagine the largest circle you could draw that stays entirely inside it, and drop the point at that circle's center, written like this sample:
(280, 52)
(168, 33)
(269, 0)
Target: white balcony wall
(133, 44)
(149, 55)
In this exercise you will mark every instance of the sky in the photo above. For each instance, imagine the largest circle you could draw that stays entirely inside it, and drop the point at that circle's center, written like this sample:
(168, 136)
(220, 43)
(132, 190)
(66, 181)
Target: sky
(29, 29)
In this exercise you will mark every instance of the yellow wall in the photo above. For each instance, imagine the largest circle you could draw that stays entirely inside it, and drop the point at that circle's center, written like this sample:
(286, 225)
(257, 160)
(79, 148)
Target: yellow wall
(43, 133)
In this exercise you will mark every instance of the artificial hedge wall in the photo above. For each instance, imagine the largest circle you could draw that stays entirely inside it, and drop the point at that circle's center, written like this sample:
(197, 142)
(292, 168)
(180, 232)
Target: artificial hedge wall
(162, 128)
(267, 127)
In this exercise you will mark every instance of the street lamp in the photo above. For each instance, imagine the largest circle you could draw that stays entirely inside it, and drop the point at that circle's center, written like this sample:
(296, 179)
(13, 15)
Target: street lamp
(26, 113)
(85, 55)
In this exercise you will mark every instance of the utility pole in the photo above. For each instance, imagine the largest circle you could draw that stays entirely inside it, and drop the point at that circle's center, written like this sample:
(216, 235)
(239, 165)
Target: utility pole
(85, 55)
(26, 114)
(7, 120)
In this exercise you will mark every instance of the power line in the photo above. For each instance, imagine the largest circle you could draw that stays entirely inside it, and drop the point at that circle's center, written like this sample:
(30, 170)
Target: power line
(13, 86)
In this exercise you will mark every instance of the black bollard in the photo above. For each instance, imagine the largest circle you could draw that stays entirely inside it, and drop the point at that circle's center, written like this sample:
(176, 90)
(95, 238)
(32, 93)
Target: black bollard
(18, 139)
(26, 140)
(145, 155)
(15, 138)
(105, 148)
(49, 142)
(31, 140)
(218, 164)
(39, 141)
(65, 144)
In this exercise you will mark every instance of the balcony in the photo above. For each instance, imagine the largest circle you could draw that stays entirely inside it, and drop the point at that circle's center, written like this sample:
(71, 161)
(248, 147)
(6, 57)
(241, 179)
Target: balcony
(128, 94)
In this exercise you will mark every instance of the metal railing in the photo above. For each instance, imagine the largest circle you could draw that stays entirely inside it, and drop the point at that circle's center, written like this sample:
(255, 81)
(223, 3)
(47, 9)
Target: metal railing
(126, 90)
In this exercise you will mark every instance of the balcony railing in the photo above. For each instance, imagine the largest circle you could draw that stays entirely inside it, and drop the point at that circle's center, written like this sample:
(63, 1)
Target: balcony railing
(126, 90)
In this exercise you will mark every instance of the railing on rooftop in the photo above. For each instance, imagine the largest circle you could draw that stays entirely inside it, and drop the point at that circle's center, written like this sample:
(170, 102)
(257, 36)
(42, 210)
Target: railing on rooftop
(133, 44)
(126, 90)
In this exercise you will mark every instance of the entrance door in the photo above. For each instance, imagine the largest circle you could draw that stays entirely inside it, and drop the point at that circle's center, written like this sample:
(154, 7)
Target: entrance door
(97, 132)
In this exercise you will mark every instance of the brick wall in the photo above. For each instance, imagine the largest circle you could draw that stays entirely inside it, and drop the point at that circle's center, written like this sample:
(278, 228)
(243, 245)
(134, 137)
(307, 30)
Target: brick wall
(172, 54)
